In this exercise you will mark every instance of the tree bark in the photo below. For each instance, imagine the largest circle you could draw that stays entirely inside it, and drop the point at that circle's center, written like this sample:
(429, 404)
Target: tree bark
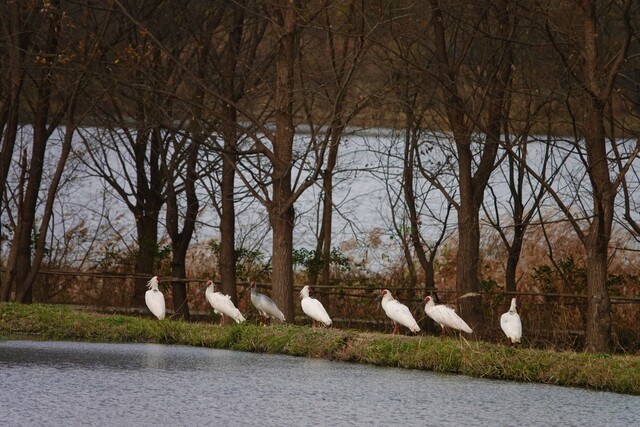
(147, 236)
(14, 82)
(149, 201)
(596, 241)
(21, 247)
(598, 89)
(180, 239)
(227, 261)
(467, 260)
(281, 212)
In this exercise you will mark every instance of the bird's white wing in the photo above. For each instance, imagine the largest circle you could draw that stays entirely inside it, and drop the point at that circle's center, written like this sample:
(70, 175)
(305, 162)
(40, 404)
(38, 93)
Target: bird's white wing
(222, 304)
(209, 294)
(155, 303)
(401, 314)
(314, 309)
(229, 309)
(448, 317)
(265, 305)
(511, 326)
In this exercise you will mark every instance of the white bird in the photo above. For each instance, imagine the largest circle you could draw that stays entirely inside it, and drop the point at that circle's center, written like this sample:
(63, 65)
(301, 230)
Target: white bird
(398, 312)
(313, 308)
(222, 304)
(265, 305)
(511, 324)
(155, 299)
(445, 316)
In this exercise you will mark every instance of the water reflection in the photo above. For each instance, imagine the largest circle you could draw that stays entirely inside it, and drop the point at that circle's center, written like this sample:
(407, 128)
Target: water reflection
(78, 384)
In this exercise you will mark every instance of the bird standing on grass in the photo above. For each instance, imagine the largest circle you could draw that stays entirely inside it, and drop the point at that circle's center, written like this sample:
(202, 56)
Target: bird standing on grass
(398, 312)
(445, 316)
(155, 299)
(511, 324)
(222, 304)
(313, 308)
(265, 305)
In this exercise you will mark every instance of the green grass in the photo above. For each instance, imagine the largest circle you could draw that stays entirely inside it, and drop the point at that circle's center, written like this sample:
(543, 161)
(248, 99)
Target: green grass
(616, 373)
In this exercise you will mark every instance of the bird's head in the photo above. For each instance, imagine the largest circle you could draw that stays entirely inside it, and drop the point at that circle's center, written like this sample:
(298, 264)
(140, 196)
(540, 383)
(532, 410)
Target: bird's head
(428, 301)
(304, 292)
(153, 283)
(384, 294)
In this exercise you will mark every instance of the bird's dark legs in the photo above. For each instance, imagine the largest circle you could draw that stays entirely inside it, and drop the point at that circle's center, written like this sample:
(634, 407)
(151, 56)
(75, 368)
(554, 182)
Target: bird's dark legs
(221, 319)
(396, 328)
(441, 330)
(264, 320)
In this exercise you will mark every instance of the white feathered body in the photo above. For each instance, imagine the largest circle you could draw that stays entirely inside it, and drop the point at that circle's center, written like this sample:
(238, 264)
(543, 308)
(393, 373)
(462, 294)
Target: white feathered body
(511, 324)
(445, 316)
(313, 308)
(398, 312)
(222, 304)
(265, 305)
(155, 299)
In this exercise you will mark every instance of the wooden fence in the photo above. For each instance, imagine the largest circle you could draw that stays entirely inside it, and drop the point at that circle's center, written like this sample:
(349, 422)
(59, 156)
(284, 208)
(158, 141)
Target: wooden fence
(553, 319)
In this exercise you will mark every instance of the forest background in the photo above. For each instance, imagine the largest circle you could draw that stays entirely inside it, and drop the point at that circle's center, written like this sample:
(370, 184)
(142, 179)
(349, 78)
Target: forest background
(503, 136)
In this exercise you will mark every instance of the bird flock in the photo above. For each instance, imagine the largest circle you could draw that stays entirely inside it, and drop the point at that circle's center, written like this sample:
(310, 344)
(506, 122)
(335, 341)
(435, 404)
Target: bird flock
(399, 313)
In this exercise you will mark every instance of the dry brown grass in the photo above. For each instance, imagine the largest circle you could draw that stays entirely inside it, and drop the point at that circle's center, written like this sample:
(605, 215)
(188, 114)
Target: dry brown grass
(549, 321)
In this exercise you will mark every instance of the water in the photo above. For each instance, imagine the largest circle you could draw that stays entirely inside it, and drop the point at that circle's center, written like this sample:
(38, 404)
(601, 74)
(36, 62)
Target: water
(80, 384)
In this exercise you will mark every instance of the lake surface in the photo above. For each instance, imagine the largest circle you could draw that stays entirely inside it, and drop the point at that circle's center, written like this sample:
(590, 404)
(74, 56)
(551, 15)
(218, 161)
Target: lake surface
(80, 384)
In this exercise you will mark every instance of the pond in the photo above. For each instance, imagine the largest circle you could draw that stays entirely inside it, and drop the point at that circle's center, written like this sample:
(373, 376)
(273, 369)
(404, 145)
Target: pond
(79, 384)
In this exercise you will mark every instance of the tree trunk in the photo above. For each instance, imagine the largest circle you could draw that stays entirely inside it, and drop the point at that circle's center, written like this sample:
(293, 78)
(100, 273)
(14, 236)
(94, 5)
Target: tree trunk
(598, 83)
(227, 261)
(149, 201)
(281, 213)
(429, 274)
(180, 239)
(513, 257)
(474, 170)
(22, 242)
(596, 242)
(10, 122)
(337, 127)
(598, 328)
(27, 213)
(147, 235)
(410, 148)
(27, 286)
(282, 259)
(179, 290)
(327, 220)
(467, 267)
(179, 246)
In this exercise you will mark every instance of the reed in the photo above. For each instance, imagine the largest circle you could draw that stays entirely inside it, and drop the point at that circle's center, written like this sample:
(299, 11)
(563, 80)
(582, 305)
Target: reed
(615, 373)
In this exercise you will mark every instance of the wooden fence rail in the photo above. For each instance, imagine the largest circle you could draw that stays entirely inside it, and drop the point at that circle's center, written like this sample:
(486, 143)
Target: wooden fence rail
(336, 289)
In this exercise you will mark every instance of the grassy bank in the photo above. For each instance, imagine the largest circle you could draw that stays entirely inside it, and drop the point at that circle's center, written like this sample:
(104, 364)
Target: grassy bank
(614, 373)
